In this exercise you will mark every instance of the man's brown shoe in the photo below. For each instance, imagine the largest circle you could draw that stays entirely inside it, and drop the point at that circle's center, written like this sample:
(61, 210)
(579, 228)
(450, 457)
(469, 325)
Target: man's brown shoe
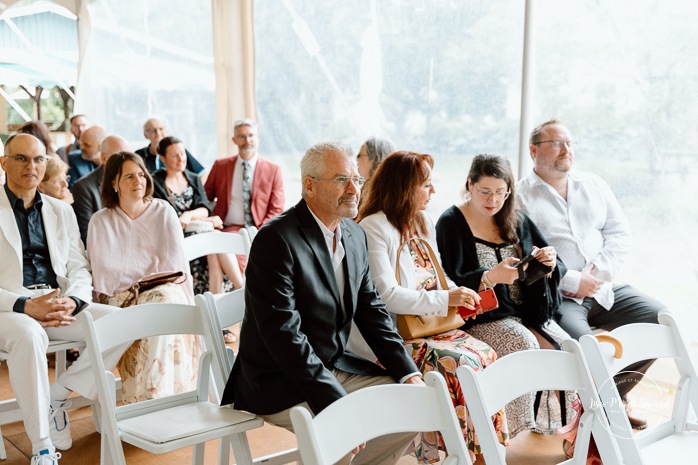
(636, 421)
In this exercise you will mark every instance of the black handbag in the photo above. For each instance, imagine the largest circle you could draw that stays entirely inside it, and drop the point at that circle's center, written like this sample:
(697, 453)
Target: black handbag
(533, 272)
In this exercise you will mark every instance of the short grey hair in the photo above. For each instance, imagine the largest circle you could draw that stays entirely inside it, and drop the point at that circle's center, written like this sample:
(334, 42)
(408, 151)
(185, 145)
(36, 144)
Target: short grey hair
(313, 162)
(245, 122)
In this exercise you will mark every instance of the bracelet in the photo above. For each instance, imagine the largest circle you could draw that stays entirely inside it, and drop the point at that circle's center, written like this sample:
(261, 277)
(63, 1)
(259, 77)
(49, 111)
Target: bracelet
(486, 281)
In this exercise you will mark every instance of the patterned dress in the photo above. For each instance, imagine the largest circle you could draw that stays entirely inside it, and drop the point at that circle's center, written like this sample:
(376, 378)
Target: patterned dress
(158, 366)
(510, 335)
(444, 353)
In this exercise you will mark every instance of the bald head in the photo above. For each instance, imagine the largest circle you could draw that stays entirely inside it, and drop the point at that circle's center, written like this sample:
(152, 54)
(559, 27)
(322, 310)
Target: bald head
(113, 144)
(90, 143)
(154, 130)
(25, 164)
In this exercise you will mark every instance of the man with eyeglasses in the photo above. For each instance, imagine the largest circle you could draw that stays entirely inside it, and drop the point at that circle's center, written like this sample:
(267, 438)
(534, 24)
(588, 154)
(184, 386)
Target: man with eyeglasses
(44, 282)
(307, 280)
(155, 130)
(580, 216)
(248, 188)
(78, 124)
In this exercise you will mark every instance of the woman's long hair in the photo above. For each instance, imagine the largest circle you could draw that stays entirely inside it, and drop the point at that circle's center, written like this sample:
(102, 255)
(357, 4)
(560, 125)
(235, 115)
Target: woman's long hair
(391, 191)
(496, 166)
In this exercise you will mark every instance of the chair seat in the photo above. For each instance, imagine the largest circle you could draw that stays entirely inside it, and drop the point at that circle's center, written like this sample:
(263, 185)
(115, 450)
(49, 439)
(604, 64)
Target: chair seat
(677, 449)
(189, 420)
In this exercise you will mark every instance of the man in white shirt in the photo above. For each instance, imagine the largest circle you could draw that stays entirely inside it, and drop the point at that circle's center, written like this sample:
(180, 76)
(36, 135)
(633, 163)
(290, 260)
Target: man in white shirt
(581, 218)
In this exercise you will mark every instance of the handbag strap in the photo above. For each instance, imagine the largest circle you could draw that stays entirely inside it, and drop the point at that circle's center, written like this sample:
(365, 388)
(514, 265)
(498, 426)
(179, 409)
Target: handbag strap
(435, 263)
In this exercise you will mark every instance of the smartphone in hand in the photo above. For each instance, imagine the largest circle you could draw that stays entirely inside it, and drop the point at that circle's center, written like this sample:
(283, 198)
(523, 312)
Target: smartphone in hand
(488, 301)
(527, 258)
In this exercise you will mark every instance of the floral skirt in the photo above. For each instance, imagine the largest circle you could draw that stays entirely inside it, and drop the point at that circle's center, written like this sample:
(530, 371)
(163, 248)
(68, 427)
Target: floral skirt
(162, 365)
(444, 353)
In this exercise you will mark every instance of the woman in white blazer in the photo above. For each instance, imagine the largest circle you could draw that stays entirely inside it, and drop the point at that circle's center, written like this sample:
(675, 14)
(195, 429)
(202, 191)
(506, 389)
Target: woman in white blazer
(392, 213)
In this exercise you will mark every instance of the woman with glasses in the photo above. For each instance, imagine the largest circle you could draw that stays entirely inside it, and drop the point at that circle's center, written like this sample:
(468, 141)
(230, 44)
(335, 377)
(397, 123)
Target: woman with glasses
(371, 154)
(481, 240)
(56, 179)
(394, 219)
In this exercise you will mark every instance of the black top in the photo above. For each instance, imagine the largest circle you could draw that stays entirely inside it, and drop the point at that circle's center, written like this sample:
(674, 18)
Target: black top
(36, 259)
(295, 333)
(456, 242)
(200, 199)
(153, 163)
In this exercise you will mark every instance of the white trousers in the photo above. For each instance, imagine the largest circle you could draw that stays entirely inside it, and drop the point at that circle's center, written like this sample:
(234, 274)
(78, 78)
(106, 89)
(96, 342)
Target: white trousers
(25, 341)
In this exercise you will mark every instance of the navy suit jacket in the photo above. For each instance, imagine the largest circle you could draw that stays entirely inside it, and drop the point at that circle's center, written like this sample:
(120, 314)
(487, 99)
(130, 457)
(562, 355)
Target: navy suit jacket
(294, 332)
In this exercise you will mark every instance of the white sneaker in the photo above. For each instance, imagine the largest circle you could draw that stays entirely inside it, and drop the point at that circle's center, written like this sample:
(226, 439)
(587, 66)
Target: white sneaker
(46, 458)
(60, 426)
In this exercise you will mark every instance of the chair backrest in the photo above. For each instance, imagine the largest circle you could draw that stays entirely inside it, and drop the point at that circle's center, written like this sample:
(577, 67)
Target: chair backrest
(489, 390)
(643, 341)
(138, 322)
(223, 310)
(376, 411)
(200, 245)
(252, 232)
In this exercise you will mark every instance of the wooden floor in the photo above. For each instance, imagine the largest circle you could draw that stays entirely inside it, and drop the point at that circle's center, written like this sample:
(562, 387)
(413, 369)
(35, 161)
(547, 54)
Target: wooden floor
(526, 448)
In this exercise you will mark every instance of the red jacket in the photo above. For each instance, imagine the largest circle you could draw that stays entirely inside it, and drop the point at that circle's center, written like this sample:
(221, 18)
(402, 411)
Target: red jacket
(267, 189)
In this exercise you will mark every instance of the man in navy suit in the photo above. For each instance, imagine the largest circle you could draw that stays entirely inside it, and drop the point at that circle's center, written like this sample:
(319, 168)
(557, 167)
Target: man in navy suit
(307, 280)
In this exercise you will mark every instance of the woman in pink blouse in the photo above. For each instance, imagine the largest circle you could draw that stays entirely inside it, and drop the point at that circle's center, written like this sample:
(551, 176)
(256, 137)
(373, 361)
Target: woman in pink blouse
(133, 237)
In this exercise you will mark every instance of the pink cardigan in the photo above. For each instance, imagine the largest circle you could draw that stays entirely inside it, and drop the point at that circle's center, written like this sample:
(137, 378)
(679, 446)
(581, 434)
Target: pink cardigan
(122, 251)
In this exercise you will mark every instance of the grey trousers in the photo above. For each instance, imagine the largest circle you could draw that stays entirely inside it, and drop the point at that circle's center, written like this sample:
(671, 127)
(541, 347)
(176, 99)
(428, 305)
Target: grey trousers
(385, 450)
(630, 306)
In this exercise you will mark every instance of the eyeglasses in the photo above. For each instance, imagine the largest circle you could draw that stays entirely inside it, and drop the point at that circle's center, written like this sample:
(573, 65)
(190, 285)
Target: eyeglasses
(499, 195)
(39, 160)
(341, 182)
(557, 143)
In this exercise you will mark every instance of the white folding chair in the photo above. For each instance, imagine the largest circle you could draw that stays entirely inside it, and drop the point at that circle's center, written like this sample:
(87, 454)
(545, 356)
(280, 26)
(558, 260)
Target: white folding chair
(251, 232)
(9, 410)
(674, 441)
(200, 245)
(489, 390)
(172, 422)
(225, 310)
(376, 411)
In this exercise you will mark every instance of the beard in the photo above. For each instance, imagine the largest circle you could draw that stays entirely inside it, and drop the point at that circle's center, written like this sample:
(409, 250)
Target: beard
(349, 206)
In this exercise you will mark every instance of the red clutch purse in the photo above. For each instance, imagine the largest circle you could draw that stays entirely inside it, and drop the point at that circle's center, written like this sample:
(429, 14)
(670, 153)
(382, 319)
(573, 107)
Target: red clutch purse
(488, 301)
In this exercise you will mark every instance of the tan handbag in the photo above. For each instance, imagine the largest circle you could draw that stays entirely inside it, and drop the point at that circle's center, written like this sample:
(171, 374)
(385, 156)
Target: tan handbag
(416, 326)
(149, 282)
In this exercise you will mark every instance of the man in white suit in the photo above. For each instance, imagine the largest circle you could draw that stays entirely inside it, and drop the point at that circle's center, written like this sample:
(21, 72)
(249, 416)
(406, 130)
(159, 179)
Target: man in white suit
(44, 282)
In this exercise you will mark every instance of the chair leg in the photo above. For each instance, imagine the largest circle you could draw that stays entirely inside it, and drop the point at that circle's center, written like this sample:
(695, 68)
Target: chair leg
(224, 451)
(197, 458)
(61, 362)
(241, 449)
(3, 452)
(96, 417)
